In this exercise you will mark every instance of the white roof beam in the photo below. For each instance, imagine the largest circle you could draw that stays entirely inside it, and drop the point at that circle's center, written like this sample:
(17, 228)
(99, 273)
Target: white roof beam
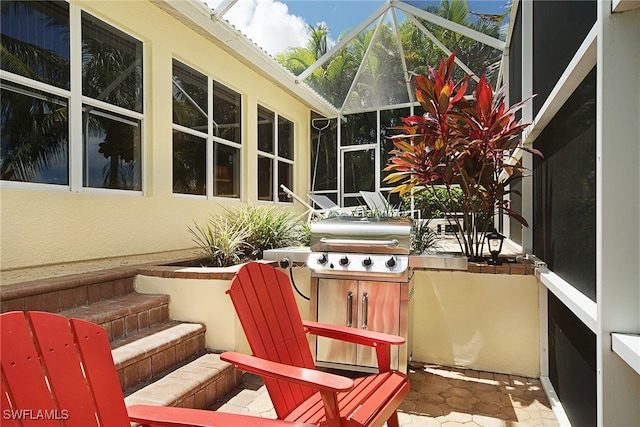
(405, 71)
(342, 43)
(450, 25)
(442, 47)
(223, 8)
(363, 61)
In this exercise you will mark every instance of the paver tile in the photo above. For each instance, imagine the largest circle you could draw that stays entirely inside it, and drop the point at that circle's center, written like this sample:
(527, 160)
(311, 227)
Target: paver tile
(439, 397)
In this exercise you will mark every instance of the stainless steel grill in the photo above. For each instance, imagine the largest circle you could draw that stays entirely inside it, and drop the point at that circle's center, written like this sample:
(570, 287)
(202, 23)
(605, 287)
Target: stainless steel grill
(360, 278)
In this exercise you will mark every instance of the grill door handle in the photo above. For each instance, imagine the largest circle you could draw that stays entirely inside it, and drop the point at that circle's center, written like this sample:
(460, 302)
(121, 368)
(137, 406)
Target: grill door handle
(349, 309)
(365, 310)
(353, 243)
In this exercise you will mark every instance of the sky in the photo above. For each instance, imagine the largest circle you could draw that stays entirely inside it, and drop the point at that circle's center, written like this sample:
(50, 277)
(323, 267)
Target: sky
(276, 25)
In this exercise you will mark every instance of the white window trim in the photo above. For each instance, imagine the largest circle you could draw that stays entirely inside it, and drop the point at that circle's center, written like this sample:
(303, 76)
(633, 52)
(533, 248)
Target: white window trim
(276, 158)
(75, 99)
(211, 140)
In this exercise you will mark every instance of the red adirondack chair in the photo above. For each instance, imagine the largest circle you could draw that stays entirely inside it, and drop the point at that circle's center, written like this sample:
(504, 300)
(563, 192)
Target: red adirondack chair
(266, 307)
(60, 372)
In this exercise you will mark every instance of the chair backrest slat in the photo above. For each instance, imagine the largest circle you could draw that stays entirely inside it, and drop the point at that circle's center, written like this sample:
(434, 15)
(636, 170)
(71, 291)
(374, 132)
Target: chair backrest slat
(323, 201)
(266, 307)
(23, 373)
(375, 201)
(64, 372)
(58, 372)
(95, 354)
(5, 407)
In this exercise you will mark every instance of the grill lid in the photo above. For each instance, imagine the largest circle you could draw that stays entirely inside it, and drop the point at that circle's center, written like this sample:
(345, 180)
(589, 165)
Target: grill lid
(360, 234)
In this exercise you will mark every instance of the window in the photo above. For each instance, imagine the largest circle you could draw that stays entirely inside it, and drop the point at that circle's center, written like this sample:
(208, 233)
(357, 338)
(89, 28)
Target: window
(37, 111)
(206, 135)
(275, 155)
(112, 89)
(34, 126)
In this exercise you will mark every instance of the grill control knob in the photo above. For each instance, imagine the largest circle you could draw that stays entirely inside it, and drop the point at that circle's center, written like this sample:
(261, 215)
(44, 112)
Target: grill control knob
(391, 262)
(344, 261)
(322, 259)
(367, 262)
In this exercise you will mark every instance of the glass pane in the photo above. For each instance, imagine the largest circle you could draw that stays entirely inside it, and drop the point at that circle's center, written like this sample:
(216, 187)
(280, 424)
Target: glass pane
(265, 178)
(381, 81)
(324, 140)
(35, 40)
(285, 138)
(226, 161)
(564, 221)
(190, 97)
(388, 120)
(111, 65)
(112, 150)
(34, 136)
(285, 176)
(189, 164)
(358, 171)
(265, 130)
(360, 129)
(227, 113)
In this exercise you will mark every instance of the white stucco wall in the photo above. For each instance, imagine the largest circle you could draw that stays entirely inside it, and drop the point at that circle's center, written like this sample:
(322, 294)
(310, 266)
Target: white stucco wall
(47, 224)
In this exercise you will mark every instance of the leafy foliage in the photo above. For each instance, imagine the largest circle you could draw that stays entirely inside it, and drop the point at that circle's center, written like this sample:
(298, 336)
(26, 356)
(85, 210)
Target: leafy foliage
(223, 241)
(424, 238)
(269, 228)
(458, 143)
(235, 236)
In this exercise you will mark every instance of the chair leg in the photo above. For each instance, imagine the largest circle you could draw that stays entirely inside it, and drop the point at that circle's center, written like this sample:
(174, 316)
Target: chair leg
(393, 420)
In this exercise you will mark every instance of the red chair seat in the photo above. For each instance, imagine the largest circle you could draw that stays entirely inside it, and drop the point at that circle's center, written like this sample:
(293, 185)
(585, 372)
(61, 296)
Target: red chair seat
(363, 402)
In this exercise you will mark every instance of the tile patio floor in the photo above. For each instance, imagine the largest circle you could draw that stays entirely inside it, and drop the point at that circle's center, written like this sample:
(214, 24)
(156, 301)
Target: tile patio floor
(439, 397)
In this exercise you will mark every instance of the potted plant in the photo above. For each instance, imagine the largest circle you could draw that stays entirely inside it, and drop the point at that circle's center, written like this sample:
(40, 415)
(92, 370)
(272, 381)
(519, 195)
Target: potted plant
(461, 144)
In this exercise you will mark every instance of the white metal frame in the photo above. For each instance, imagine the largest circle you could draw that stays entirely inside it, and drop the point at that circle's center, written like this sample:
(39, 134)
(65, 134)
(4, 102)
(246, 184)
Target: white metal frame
(615, 318)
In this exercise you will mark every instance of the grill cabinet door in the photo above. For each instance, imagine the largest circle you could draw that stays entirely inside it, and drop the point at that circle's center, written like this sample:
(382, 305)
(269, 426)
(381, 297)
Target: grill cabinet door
(337, 305)
(379, 311)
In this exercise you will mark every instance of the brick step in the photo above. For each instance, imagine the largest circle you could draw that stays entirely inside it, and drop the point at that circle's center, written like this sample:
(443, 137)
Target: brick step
(58, 294)
(126, 314)
(148, 354)
(195, 385)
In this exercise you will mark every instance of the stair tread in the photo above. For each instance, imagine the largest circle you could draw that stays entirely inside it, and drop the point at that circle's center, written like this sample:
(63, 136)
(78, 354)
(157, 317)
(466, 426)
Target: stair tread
(152, 340)
(100, 312)
(171, 388)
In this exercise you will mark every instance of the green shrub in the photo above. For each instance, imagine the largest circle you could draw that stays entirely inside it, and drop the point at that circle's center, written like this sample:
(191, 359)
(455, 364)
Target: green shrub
(235, 236)
(223, 241)
(270, 228)
(431, 200)
(424, 238)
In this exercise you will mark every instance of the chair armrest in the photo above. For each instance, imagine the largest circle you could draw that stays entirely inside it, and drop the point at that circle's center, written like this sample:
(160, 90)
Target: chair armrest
(381, 342)
(354, 335)
(162, 416)
(307, 377)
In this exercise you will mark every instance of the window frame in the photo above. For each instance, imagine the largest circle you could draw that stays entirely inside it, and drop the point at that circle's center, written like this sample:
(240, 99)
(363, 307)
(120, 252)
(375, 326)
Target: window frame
(212, 140)
(76, 101)
(275, 156)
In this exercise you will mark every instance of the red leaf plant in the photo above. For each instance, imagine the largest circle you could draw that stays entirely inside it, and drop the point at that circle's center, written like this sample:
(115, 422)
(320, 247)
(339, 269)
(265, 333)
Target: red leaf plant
(461, 143)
